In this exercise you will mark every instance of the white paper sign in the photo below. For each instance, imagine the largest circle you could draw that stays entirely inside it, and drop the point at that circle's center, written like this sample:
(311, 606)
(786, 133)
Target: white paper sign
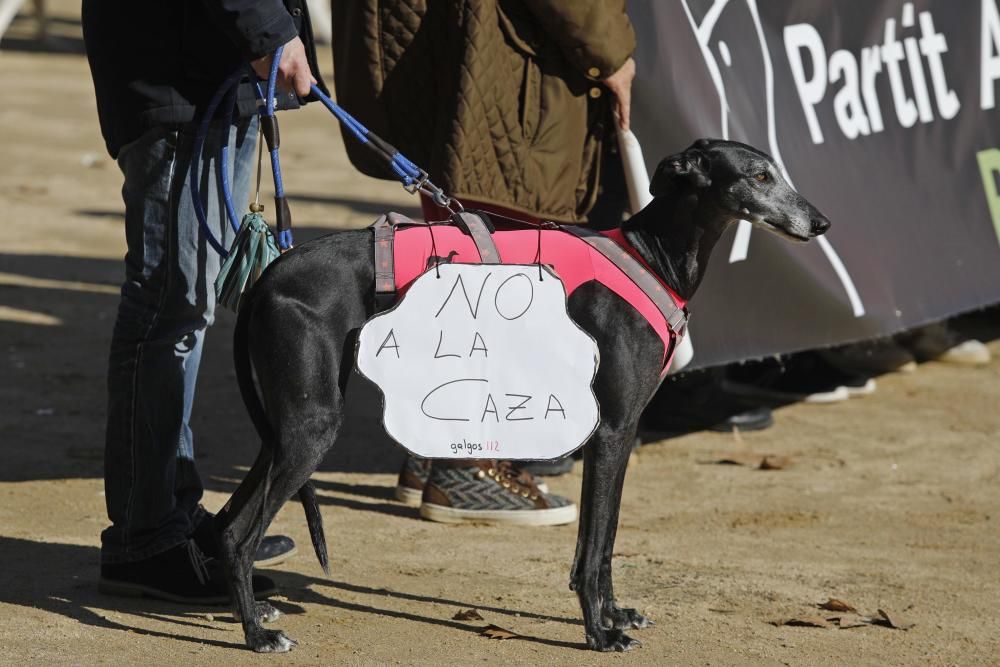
(483, 362)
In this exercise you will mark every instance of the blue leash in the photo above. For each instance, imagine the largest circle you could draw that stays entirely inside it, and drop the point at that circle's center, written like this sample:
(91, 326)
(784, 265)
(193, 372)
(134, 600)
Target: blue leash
(413, 178)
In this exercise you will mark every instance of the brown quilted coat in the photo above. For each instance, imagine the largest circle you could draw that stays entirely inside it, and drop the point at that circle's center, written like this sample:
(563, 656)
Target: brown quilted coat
(498, 100)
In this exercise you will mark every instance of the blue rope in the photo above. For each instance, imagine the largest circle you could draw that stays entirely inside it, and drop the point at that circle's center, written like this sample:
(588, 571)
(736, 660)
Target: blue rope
(272, 80)
(223, 170)
(199, 145)
(410, 175)
(408, 172)
(279, 186)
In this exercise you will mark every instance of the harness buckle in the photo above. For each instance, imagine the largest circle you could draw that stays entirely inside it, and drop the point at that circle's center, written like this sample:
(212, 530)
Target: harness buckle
(678, 321)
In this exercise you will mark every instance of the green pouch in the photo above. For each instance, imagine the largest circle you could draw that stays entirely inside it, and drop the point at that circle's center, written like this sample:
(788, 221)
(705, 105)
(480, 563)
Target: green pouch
(252, 250)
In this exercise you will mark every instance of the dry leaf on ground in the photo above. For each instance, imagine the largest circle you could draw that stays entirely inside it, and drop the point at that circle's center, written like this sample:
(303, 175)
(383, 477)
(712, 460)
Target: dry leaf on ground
(737, 458)
(496, 632)
(467, 615)
(771, 462)
(845, 622)
(833, 604)
(803, 622)
(892, 619)
(749, 459)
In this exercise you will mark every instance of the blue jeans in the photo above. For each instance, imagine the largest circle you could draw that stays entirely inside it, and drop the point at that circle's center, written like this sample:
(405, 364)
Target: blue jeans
(151, 485)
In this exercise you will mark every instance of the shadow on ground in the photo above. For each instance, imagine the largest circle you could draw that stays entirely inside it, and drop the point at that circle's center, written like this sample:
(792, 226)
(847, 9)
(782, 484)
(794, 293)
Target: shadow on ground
(56, 316)
(69, 588)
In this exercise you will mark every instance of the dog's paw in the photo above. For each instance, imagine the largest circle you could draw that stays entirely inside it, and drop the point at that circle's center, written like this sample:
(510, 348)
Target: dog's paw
(625, 619)
(612, 640)
(263, 611)
(271, 641)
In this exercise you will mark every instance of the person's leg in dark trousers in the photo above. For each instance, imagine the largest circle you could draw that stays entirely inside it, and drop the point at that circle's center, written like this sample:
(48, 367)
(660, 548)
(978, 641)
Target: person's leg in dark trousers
(167, 303)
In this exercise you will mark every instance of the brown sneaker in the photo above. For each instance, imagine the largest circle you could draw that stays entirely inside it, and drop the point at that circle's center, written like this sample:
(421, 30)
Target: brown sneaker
(412, 478)
(491, 492)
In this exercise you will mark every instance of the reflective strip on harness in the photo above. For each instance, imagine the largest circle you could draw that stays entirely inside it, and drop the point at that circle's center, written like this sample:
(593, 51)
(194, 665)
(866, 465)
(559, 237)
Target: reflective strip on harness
(615, 247)
(482, 235)
(385, 278)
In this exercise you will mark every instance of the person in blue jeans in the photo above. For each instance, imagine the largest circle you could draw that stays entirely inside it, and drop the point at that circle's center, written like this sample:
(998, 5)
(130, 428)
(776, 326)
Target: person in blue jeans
(155, 65)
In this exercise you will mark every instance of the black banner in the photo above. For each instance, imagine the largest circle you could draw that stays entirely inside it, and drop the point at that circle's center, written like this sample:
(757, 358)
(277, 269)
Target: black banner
(882, 113)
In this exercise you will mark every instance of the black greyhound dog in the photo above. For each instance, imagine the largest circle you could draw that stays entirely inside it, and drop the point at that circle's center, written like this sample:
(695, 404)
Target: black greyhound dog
(297, 331)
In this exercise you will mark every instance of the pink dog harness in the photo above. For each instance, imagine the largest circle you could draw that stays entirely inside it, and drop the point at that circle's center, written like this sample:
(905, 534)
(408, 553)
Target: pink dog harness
(575, 254)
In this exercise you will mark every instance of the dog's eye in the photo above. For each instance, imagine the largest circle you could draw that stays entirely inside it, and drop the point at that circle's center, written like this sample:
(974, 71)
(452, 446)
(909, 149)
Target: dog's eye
(762, 177)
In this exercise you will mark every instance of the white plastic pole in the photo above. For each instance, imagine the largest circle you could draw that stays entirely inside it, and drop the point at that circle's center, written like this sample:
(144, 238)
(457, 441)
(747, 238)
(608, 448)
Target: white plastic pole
(8, 10)
(637, 184)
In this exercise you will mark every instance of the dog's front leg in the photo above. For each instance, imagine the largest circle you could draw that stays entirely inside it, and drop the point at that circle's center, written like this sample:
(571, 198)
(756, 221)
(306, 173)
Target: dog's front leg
(605, 460)
(613, 616)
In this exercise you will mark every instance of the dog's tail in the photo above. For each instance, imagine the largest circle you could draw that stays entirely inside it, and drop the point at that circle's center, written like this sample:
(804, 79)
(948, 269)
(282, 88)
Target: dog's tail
(248, 390)
(307, 496)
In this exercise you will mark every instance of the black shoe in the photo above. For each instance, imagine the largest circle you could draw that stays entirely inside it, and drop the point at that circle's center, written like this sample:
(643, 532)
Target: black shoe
(801, 377)
(756, 418)
(871, 358)
(273, 549)
(697, 402)
(718, 419)
(182, 574)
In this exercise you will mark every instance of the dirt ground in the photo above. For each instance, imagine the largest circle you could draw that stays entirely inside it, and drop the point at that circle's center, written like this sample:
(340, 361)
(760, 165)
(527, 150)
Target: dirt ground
(889, 502)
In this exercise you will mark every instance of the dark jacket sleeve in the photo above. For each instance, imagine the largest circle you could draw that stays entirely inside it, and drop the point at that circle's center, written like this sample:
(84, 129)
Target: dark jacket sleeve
(257, 27)
(596, 37)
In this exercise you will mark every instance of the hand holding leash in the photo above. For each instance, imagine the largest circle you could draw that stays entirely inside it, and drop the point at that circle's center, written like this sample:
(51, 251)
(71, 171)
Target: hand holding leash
(294, 74)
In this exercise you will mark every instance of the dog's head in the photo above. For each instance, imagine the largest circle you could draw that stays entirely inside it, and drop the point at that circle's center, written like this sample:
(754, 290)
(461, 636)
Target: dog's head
(741, 181)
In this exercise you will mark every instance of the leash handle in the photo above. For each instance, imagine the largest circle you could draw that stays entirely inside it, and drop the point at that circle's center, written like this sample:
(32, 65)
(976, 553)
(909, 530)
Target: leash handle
(272, 136)
(269, 130)
(413, 178)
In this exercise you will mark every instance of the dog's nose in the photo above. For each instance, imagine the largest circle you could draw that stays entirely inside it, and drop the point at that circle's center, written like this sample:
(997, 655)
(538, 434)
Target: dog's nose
(820, 225)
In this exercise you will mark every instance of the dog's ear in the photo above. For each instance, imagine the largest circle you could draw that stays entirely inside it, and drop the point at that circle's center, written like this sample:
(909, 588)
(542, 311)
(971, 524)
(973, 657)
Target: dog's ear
(688, 168)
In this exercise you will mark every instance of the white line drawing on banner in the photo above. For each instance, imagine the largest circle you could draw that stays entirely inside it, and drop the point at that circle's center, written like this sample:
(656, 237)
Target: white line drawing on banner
(703, 34)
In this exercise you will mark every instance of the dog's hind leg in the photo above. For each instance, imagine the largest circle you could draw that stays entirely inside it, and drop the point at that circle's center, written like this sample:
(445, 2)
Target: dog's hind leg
(275, 477)
(301, 387)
